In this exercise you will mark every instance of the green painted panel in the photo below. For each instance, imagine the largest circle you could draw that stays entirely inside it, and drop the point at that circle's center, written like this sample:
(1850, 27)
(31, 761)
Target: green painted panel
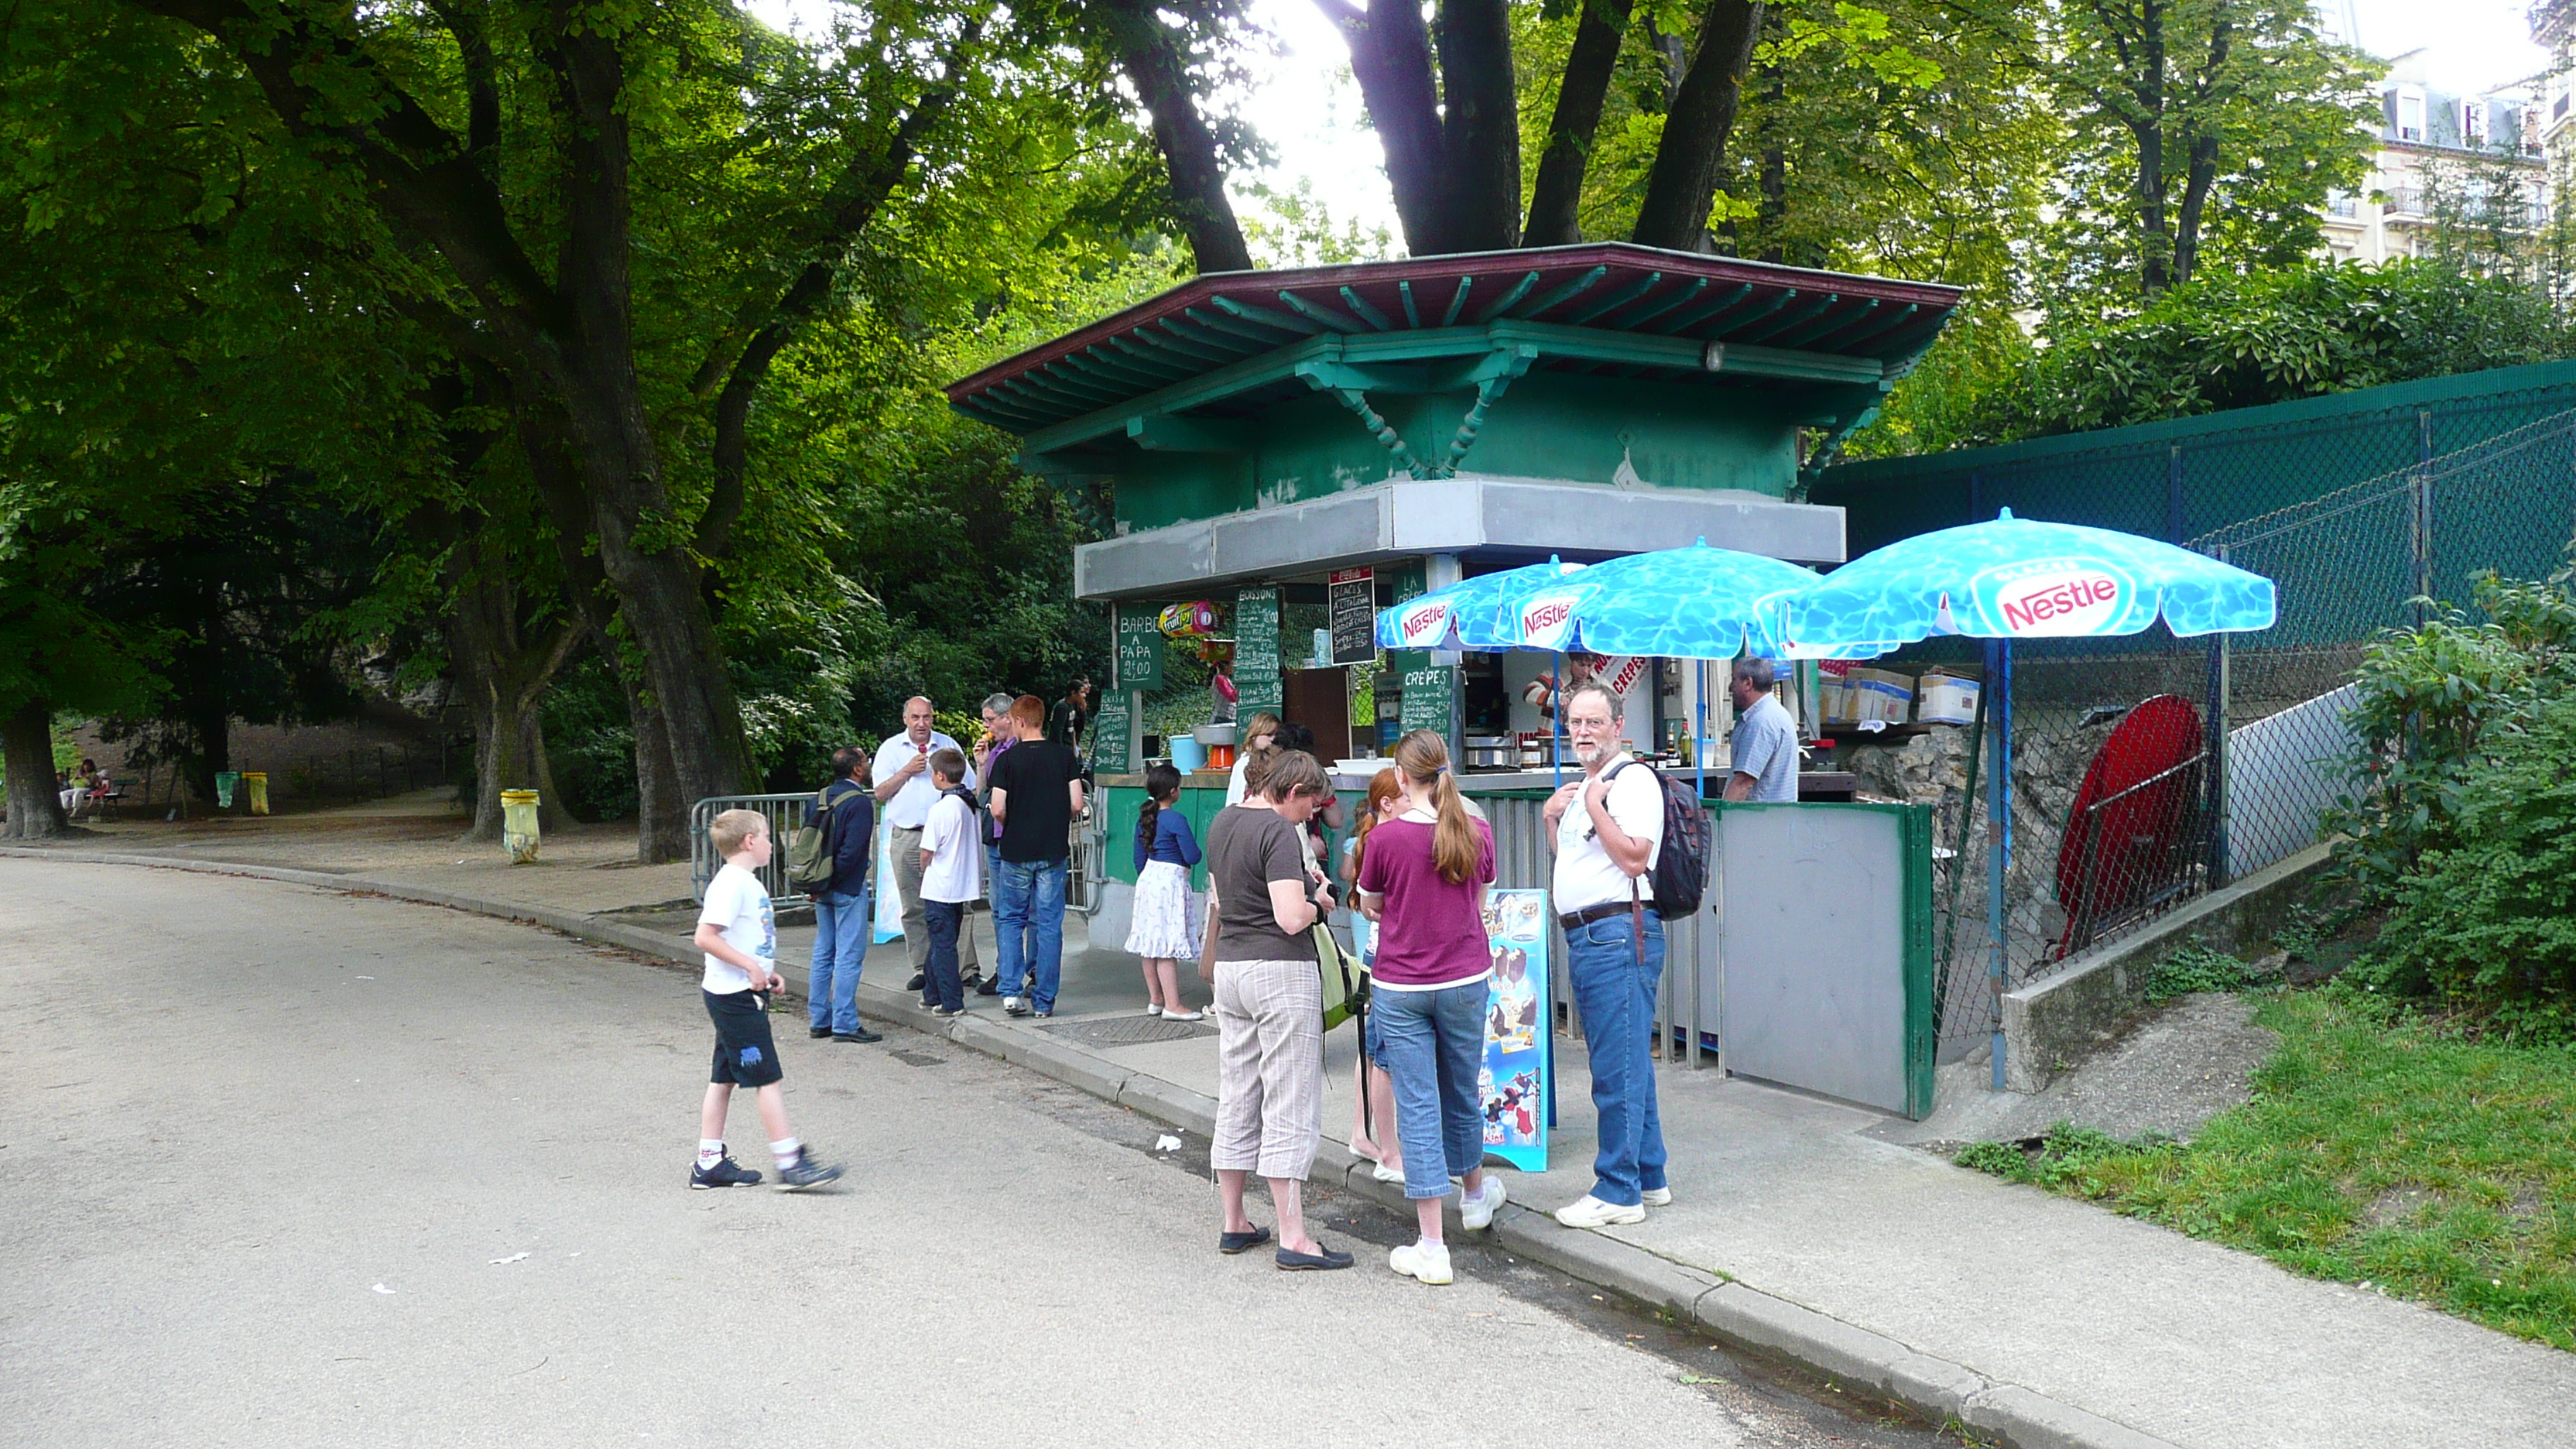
(1675, 436)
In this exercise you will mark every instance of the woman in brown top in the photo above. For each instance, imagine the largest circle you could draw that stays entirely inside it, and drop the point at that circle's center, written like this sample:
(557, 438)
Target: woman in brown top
(1269, 1006)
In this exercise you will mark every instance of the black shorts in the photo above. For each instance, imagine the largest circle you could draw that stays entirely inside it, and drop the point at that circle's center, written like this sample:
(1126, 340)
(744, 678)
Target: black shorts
(745, 1055)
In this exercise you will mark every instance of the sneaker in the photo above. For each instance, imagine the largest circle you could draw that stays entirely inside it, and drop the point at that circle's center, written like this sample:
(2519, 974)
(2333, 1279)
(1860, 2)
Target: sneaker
(805, 1173)
(1014, 1006)
(1656, 1197)
(1588, 1211)
(862, 1036)
(726, 1173)
(919, 979)
(1422, 1262)
(944, 1012)
(818, 1032)
(1181, 1015)
(1041, 1015)
(1476, 1213)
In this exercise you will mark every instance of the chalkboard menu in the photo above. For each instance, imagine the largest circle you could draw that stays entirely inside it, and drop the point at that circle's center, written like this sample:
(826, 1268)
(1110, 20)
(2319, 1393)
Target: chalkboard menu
(1428, 693)
(1354, 616)
(1113, 736)
(1140, 648)
(1256, 634)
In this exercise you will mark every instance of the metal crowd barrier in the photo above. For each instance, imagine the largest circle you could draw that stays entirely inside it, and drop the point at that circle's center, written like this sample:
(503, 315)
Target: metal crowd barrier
(785, 813)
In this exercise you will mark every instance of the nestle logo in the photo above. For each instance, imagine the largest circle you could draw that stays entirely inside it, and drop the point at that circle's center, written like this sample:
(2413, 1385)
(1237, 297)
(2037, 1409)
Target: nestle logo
(1546, 616)
(2044, 601)
(1421, 619)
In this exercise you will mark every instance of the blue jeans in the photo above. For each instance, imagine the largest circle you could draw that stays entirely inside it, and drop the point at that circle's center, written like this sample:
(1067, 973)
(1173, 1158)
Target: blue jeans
(939, 986)
(1435, 1042)
(1617, 999)
(1028, 916)
(840, 949)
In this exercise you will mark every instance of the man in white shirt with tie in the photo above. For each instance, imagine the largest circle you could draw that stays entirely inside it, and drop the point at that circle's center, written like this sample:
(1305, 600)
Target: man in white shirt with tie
(903, 789)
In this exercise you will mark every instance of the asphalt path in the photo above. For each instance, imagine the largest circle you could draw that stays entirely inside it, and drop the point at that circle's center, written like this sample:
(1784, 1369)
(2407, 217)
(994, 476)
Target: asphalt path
(284, 1167)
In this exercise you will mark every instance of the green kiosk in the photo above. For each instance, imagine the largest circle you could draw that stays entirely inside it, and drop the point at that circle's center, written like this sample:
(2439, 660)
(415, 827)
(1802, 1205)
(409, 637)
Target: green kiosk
(1296, 449)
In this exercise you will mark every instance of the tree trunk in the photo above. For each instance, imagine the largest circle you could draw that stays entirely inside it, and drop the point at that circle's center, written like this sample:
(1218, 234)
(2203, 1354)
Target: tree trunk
(1391, 59)
(1480, 125)
(27, 750)
(2155, 245)
(2200, 162)
(1683, 182)
(1146, 51)
(504, 681)
(1557, 198)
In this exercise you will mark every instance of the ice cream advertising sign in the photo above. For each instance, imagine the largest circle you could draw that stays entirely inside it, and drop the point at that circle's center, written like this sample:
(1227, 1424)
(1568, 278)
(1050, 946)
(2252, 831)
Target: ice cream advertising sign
(2055, 598)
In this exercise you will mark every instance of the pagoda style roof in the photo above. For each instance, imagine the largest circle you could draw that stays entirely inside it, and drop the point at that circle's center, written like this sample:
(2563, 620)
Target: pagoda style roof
(1231, 344)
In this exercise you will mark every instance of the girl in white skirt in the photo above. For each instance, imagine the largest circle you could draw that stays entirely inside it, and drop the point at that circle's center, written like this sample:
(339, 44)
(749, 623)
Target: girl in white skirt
(1163, 932)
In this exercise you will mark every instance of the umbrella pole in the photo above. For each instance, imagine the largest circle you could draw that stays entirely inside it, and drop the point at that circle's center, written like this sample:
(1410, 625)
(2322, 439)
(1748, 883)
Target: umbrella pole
(1556, 754)
(1699, 732)
(1999, 834)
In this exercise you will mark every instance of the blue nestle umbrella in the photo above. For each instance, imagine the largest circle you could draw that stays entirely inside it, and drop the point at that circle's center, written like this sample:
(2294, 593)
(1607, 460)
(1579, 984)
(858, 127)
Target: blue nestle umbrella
(1681, 603)
(2018, 579)
(1468, 613)
(2013, 579)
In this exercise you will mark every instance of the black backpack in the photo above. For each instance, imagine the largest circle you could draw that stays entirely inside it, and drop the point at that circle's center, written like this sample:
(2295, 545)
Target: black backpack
(1681, 861)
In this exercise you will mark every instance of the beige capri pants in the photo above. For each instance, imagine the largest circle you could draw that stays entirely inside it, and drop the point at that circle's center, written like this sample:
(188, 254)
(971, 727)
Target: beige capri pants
(1269, 1067)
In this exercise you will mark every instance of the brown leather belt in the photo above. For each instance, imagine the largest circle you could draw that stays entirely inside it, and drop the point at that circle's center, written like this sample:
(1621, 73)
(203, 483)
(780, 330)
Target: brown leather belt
(1605, 911)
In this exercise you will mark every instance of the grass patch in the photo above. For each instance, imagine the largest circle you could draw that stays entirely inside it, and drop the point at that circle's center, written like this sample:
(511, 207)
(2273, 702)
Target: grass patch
(2196, 968)
(2379, 1149)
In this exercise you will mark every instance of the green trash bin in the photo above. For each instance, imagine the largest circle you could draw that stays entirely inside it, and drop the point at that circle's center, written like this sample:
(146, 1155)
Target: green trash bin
(225, 783)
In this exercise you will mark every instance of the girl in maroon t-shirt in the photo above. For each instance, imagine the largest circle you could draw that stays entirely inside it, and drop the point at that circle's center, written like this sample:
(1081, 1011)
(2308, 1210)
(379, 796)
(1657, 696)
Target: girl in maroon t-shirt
(1423, 880)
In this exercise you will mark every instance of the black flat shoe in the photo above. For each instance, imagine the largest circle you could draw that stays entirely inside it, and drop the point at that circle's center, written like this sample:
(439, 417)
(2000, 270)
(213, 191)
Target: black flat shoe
(1323, 1262)
(1239, 1242)
(989, 988)
(914, 984)
(818, 1032)
(863, 1036)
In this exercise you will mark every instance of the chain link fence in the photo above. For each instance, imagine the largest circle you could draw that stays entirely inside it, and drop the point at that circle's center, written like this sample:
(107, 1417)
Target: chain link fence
(2148, 770)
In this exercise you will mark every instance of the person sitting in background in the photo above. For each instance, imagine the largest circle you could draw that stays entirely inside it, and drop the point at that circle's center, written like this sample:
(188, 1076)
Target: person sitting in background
(1259, 736)
(68, 791)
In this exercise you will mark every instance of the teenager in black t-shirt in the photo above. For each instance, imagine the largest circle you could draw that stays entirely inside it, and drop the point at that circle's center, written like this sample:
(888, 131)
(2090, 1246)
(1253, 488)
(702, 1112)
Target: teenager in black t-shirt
(1036, 793)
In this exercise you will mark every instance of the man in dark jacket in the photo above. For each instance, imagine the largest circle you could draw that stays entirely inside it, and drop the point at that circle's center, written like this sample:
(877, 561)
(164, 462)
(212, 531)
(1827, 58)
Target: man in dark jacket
(841, 915)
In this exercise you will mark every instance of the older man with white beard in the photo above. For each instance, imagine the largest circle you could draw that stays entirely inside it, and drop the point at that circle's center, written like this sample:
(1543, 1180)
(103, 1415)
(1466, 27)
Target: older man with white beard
(902, 780)
(1606, 828)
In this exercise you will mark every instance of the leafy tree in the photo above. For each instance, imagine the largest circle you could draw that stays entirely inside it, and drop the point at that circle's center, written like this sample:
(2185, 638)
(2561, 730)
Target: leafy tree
(2204, 129)
(2223, 341)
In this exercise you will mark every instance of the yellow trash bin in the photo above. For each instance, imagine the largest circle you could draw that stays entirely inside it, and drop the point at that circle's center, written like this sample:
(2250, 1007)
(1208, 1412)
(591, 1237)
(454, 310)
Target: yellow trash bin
(256, 782)
(519, 825)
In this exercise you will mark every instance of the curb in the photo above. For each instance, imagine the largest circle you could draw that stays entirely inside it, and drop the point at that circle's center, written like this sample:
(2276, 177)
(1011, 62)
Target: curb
(1736, 1315)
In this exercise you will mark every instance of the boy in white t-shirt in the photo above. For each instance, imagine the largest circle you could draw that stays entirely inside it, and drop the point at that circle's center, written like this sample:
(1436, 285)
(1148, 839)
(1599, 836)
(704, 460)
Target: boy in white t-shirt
(739, 933)
(952, 875)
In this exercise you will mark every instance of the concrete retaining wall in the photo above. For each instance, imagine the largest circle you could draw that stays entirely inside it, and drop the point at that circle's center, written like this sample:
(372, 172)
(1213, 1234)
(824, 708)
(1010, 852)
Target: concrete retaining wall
(2056, 1020)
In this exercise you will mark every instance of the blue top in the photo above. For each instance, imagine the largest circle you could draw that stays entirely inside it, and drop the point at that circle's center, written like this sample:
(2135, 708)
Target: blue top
(1173, 840)
(852, 825)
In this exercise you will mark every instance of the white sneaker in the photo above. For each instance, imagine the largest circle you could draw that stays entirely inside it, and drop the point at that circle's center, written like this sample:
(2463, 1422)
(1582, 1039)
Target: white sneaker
(1588, 1211)
(1183, 1015)
(1656, 1197)
(1476, 1213)
(1423, 1262)
(1384, 1173)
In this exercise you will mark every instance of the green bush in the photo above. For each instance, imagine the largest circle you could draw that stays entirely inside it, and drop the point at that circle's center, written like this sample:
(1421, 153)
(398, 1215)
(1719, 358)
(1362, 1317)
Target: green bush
(2196, 968)
(2435, 701)
(2488, 921)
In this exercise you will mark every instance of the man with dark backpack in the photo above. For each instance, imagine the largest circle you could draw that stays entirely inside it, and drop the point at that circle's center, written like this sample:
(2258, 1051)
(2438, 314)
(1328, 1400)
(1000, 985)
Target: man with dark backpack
(1608, 829)
(830, 859)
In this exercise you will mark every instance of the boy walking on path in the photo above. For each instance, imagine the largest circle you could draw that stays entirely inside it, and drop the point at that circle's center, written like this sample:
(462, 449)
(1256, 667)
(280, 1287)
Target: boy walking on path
(1037, 793)
(739, 933)
(952, 871)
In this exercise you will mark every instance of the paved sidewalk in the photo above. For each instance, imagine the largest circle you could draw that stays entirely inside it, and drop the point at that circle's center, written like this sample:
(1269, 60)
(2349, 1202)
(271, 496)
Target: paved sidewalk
(1796, 1227)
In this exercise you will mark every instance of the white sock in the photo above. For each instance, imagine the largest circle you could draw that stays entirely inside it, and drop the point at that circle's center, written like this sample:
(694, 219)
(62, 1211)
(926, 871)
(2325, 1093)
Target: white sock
(786, 1150)
(710, 1151)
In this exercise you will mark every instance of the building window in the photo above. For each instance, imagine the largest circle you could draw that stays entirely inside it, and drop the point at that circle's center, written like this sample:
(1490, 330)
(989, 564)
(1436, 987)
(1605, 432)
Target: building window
(2410, 117)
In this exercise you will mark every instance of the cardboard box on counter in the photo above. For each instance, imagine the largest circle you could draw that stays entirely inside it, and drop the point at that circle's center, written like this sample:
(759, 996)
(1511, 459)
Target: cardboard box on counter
(1877, 694)
(1943, 697)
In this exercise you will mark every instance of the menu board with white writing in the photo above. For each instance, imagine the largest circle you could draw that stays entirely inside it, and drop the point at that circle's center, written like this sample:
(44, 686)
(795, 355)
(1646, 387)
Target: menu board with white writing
(1354, 616)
